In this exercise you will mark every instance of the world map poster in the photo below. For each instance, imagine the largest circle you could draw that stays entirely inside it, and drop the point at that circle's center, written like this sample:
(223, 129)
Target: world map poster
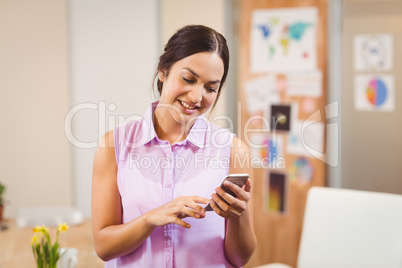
(283, 39)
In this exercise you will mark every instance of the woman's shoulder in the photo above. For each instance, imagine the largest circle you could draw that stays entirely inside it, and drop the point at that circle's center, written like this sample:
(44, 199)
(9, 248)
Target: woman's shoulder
(105, 152)
(107, 140)
(133, 128)
(133, 124)
(220, 136)
(215, 127)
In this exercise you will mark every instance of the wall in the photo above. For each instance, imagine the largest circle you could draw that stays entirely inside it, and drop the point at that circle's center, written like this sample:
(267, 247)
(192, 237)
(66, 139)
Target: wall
(114, 52)
(371, 142)
(35, 156)
(74, 69)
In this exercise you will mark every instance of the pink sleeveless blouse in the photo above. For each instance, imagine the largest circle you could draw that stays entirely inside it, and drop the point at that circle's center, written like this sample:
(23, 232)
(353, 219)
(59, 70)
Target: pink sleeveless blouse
(151, 172)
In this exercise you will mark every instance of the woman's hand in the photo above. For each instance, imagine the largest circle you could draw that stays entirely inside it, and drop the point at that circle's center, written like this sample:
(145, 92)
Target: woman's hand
(176, 210)
(235, 206)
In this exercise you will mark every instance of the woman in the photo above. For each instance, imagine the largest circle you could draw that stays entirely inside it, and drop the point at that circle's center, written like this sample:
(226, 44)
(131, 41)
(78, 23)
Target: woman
(153, 177)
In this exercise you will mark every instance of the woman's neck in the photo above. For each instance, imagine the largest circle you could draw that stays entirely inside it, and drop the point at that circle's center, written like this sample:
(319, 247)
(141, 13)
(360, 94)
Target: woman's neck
(168, 129)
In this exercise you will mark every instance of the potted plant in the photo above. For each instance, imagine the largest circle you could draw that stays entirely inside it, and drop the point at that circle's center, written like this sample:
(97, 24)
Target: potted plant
(47, 254)
(2, 199)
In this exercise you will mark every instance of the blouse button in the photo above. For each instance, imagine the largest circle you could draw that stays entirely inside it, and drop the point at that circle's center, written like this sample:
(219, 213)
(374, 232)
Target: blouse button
(167, 185)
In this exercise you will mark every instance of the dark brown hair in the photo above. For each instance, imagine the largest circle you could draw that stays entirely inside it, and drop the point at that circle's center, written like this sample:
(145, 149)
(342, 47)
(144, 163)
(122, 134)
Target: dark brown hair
(190, 40)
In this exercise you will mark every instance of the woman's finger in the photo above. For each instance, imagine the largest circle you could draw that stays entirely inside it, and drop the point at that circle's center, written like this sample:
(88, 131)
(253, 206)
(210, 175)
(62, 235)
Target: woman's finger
(199, 199)
(180, 222)
(227, 197)
(223, 213)
(218, 201)
(188, 212)
(193, 203)
(247, 185)
(239, 204)
(239, 192)
(186, 207)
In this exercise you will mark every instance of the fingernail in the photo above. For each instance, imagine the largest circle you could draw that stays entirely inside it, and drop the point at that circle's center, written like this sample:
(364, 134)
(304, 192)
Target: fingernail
(226, 183)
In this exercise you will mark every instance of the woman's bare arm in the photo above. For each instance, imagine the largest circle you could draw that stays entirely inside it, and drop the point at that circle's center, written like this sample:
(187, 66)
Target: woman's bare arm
(112, 238)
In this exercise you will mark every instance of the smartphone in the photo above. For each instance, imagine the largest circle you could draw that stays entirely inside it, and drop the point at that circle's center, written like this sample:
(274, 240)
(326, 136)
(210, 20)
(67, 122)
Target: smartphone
(238, 179)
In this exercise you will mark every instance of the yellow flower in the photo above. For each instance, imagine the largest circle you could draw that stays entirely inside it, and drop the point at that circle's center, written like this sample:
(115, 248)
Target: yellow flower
(44, 229)
(63, 227)
(41, 229)
(45, 252)
(35, 239)
(37, 229)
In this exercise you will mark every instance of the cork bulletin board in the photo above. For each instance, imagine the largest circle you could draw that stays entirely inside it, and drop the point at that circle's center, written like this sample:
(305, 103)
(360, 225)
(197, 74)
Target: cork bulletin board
(282, 80)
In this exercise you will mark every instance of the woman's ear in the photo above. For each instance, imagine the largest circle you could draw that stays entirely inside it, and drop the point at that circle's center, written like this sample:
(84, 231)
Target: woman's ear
(162, 76)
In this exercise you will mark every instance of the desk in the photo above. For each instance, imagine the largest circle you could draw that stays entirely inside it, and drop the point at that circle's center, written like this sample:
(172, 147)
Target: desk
(16, 252)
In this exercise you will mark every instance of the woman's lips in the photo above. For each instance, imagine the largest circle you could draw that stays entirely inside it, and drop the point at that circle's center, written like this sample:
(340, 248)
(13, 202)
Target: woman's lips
(187, 108)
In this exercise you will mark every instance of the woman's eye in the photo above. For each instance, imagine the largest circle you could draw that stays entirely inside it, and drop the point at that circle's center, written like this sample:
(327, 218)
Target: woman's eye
(188, 80)
(211, 89)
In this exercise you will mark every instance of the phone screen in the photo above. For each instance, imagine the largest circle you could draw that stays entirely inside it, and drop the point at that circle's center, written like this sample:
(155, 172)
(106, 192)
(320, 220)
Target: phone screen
(238, 179)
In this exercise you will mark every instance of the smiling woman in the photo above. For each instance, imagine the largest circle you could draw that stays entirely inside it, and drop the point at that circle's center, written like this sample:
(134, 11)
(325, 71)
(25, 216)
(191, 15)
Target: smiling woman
(189, 90)
(148, 215)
